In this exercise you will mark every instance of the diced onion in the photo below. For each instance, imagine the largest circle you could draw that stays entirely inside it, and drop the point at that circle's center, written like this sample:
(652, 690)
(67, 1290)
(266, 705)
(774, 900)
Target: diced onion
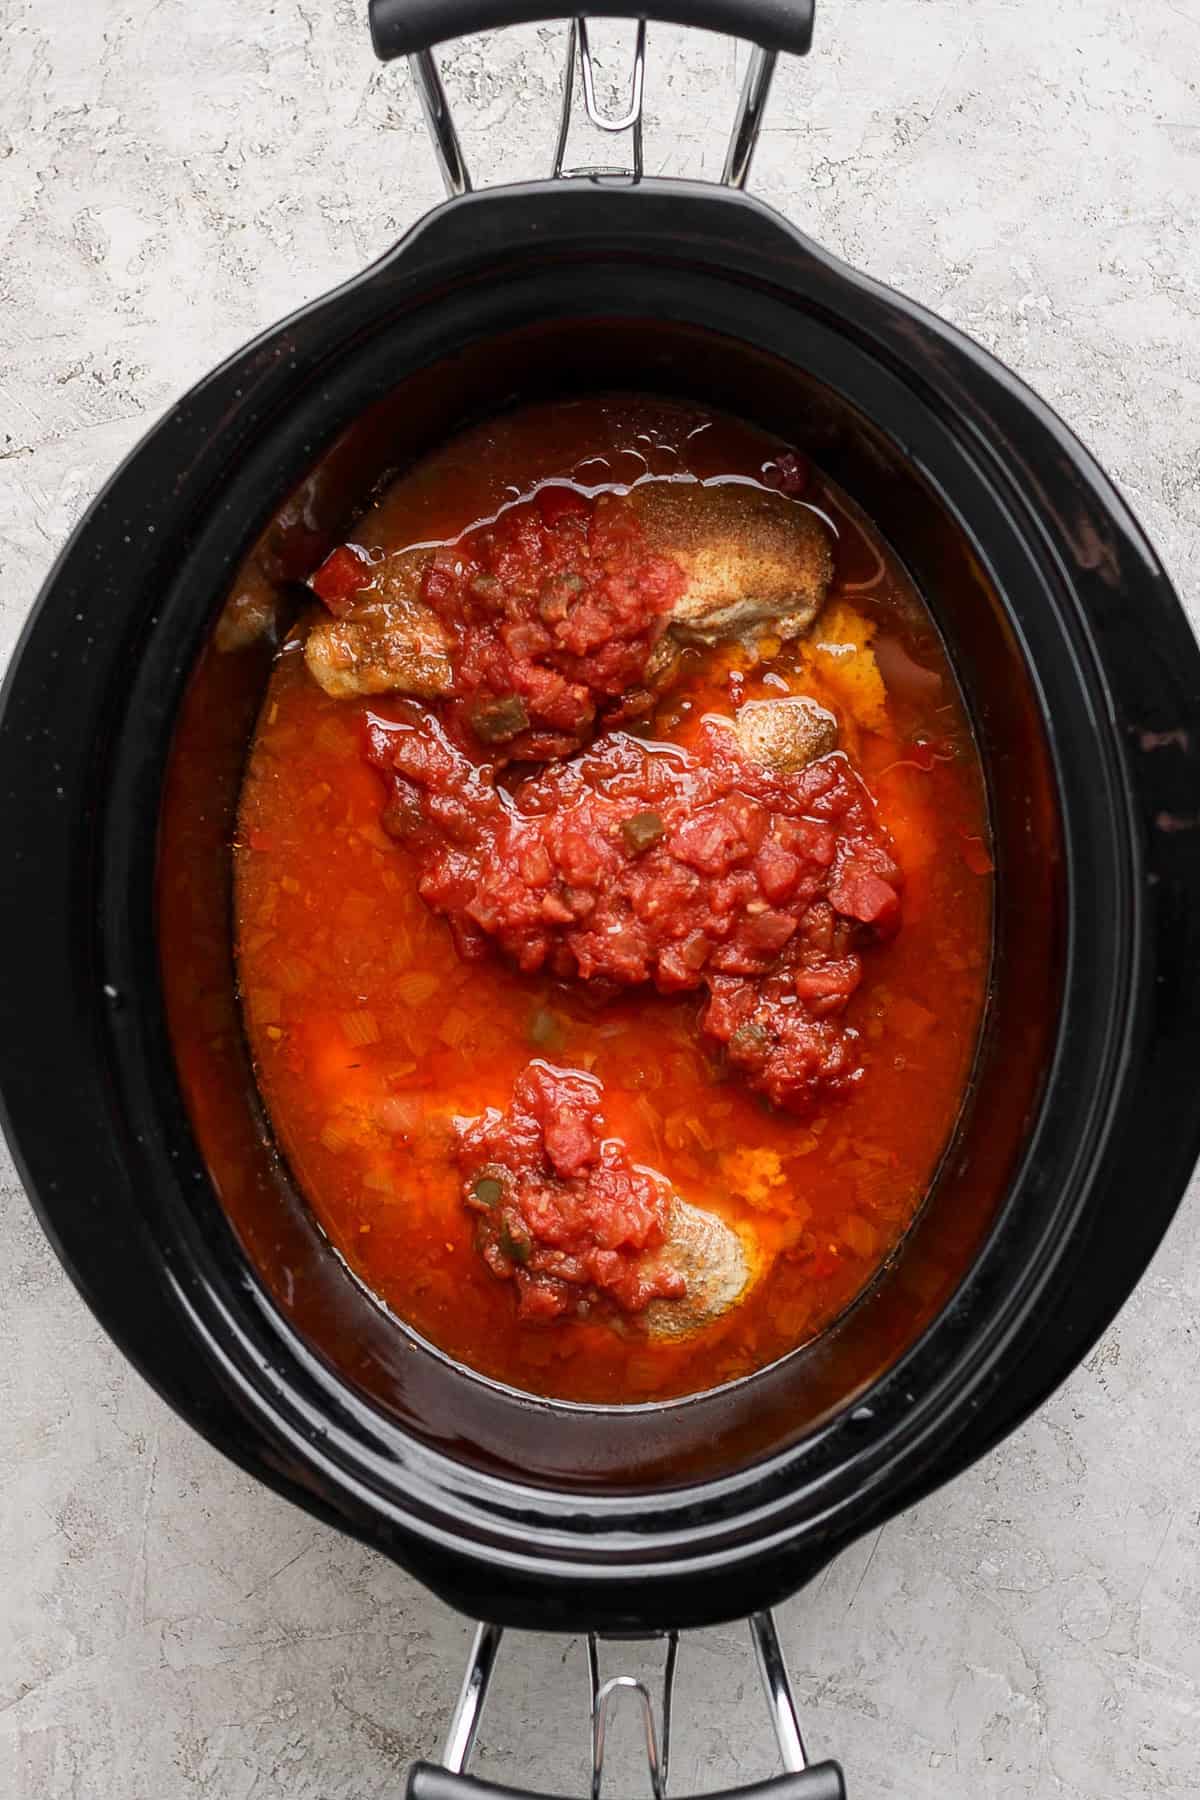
(859, 1235)
(454, 1027)
(361, 1027)
(294, 974)
(399, 1113)
(417, 986)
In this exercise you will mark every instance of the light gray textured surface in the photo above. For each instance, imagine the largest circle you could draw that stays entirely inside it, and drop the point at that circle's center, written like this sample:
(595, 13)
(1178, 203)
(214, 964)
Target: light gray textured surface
(173, 177)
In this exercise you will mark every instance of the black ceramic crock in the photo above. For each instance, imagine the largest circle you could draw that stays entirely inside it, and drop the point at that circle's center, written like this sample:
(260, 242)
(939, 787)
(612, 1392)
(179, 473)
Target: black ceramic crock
(1084, 1122)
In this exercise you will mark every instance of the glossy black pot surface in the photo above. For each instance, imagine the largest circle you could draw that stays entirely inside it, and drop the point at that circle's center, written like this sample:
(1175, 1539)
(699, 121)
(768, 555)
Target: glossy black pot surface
(1084, 682)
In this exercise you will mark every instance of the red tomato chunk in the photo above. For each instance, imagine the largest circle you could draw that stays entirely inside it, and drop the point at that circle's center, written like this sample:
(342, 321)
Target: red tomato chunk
(639, 862)
(340, 577)
(788, 472)
(562, 1211)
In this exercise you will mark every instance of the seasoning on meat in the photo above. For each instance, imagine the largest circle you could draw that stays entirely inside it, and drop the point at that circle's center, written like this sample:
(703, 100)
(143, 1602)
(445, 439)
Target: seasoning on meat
(378, 647)
(712, 1259)
(785, 735)
(750, 556)
(382, 640)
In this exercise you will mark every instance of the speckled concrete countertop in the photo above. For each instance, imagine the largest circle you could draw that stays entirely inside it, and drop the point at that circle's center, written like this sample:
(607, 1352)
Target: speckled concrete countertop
(172, 178)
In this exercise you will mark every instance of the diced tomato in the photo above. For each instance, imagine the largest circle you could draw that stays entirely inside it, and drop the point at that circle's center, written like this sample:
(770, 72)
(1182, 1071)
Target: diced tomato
(340, 577)
(768, 932)
(778, 871)
(866, 897)
(816, 842)
(834, 981)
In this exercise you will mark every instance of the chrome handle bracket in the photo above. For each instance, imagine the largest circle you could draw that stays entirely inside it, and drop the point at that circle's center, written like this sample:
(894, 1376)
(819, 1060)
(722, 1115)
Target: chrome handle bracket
(448, 149)
(604, 1695)
(578, 43)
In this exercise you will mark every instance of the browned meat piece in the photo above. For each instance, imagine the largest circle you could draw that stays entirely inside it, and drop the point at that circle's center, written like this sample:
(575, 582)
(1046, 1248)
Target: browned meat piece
(784, 734)
(388, 642)
(384, 648)
(752, 557)
(711, 1257)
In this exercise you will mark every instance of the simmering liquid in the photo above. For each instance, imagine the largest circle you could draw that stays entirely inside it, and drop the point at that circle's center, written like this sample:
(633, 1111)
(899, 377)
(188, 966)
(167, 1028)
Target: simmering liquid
(374, 1037)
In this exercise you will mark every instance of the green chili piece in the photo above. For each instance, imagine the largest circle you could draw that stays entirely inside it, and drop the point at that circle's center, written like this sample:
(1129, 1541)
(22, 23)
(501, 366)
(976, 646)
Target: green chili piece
(750, 1040)
(514, 1248)
(545, 1030)
(495, 721)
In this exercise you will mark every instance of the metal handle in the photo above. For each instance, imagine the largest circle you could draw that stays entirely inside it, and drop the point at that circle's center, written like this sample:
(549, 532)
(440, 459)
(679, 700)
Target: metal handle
(822, 1782)
(801, 1781)
(405, 27)
(412, 27)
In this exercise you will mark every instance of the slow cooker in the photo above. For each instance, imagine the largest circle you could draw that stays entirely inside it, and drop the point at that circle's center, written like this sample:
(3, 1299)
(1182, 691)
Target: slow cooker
(1083, 1124)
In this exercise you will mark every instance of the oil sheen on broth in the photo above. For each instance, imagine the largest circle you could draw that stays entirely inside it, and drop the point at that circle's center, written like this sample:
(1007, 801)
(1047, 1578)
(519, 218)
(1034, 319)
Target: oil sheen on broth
(626, 1110)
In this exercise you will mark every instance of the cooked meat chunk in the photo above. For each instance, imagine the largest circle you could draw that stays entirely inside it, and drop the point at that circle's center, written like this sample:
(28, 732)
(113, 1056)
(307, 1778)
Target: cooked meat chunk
(383, 647)
(711, 1257)
(388, 641)
(623, 583)
(751, 557)
(563, 1212)
(784, 734)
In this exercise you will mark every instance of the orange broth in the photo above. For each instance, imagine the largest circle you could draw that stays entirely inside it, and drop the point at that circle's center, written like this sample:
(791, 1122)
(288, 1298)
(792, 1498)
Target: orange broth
(370, 1034)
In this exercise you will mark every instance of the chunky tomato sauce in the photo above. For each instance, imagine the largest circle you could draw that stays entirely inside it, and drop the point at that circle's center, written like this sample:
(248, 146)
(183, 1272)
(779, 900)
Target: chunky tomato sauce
(638, 862)
(563, 1211)
(506, 1011)
(553, 610)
